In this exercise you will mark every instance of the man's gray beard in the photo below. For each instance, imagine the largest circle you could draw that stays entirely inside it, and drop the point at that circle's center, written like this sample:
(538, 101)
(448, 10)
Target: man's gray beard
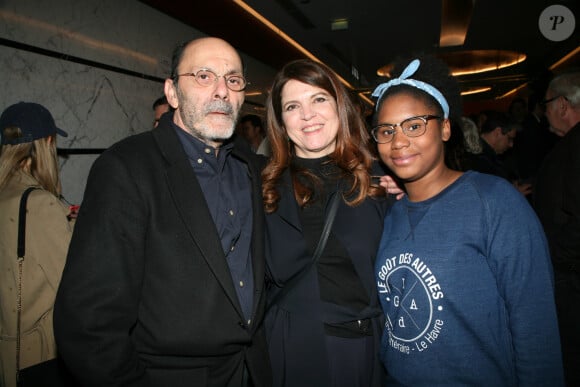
(206, 133)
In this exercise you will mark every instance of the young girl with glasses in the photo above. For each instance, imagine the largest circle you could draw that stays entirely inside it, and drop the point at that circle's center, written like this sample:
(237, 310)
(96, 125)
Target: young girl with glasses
(463, 270)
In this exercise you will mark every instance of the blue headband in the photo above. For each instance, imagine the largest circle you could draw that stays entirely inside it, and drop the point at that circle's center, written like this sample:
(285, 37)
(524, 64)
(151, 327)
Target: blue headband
(403, 79)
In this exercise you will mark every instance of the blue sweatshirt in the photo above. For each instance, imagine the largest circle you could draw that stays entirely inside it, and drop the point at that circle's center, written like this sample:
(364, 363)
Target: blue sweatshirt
(466, 285)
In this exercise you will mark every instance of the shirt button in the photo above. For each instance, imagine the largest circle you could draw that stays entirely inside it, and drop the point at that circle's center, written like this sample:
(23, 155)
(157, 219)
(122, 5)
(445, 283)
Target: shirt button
(231, 212)
(199, 161)
(232, 248)
(207, 150)
(241, 284)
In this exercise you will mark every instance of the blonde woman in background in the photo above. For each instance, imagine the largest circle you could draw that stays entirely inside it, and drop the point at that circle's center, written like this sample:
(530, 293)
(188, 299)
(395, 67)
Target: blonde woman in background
(28, 158)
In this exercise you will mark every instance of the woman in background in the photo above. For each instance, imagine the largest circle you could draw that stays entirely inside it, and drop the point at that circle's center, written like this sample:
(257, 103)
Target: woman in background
(28, 158)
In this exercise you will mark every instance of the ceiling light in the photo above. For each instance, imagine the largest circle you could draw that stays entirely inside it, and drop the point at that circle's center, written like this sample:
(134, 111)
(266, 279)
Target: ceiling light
(455, 19)
(476, 90)
(471, 61)
(559, 63)
(479, 61)
(513, 91)
(385, 71)
(565, 59)
(365, 98)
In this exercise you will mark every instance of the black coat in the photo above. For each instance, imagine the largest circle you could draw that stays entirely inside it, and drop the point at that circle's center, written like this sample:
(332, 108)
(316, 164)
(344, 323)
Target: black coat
(557, 198)
(295, 324)
(488, 162)
(146, 297)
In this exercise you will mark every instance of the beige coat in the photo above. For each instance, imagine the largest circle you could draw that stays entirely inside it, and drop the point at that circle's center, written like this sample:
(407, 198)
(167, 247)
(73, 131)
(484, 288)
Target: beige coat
(48, 234)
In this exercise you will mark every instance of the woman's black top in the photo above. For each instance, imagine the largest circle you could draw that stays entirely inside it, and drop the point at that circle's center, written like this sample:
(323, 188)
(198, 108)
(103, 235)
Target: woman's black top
(338, 281)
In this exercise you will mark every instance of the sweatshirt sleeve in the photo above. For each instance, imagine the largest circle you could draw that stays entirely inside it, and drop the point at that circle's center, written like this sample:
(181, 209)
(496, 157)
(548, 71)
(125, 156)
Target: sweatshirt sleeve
(520, 259)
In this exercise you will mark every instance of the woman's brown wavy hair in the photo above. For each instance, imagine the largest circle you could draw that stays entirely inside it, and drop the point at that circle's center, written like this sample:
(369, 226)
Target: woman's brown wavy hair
(352, 154)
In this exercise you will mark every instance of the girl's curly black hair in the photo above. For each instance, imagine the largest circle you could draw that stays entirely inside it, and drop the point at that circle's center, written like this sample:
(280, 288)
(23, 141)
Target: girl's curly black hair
(436, 73)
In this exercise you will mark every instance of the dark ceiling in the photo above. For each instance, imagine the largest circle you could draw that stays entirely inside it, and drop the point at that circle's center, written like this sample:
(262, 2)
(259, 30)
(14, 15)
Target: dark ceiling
(379, 31)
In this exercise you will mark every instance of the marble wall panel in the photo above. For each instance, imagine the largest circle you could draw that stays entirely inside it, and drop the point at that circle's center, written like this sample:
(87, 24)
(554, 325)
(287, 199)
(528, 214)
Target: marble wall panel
(96, 107)
(97, 65)
(82, 60)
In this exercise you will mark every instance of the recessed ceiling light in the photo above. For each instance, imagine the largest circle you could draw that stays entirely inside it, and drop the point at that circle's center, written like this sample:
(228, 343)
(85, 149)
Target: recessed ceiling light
(475, 90)
(471, 61)
(479, 61)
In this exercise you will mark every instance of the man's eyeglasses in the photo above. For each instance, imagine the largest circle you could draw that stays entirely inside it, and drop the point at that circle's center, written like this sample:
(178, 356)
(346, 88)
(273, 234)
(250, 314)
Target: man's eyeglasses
(412, 127)
(547, 101)
(206, 78)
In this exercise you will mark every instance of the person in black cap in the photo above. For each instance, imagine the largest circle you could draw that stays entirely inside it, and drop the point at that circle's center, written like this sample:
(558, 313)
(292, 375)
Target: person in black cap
(28, 159)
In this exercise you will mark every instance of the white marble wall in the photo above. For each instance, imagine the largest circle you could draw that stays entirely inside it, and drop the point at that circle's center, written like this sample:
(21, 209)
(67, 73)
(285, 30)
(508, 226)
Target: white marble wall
(97, 107)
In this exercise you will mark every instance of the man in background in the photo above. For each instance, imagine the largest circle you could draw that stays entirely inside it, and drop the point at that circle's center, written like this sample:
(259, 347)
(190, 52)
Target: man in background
(534, 140)
(253, 131)
(160, 106)
(557, 202)
(497, 137)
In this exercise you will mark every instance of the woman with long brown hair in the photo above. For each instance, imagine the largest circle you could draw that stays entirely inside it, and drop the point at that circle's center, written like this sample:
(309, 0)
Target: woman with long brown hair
(324, 321)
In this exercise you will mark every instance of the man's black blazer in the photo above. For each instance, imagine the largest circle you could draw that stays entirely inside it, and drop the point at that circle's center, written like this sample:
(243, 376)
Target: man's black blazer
(557, 199)
(146, 297)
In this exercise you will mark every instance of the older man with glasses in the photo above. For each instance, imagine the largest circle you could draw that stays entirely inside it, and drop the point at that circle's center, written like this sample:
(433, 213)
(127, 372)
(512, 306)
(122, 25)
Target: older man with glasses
(164, 281)
(557, 202)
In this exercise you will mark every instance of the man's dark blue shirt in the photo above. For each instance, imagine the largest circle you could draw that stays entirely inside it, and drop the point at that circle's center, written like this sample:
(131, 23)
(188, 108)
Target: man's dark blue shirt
(226, 185)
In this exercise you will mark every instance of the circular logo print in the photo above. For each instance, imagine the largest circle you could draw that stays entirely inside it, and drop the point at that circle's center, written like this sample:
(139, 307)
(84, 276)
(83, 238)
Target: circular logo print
(557, 23)
(412, 309)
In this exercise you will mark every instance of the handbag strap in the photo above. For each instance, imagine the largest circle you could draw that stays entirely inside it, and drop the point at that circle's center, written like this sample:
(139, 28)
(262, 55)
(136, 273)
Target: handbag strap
(20, 251)
(292, 282)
